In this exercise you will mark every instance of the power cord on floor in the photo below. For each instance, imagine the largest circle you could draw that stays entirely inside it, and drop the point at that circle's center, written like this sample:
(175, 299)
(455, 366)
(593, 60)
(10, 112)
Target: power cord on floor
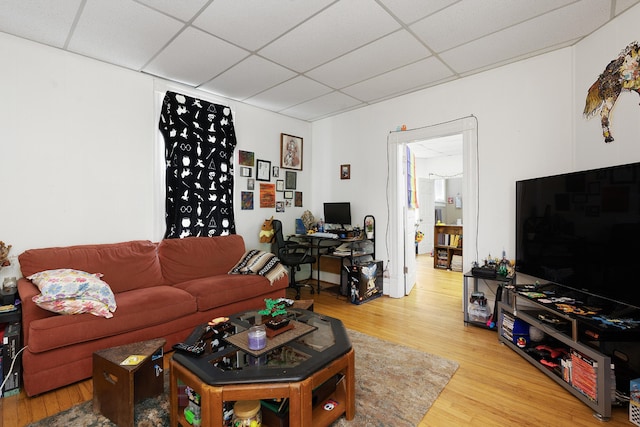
(13, 361)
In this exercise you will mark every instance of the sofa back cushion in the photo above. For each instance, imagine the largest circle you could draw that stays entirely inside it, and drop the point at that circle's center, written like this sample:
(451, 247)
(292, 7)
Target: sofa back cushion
(196, 257)
(125, 266)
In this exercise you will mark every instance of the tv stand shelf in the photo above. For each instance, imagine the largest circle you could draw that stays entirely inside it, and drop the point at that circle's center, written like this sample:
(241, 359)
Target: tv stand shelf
(578, 367)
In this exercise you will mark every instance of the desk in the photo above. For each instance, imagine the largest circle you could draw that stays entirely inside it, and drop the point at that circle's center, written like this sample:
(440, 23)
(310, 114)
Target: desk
(360, 247)
(315, 244)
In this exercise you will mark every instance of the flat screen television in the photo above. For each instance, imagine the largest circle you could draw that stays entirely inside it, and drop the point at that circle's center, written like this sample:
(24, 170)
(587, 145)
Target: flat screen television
(582, 229)
(337, 213)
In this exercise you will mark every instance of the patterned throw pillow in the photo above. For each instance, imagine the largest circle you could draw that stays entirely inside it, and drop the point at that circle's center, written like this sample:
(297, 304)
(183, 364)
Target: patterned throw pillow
(68, 291)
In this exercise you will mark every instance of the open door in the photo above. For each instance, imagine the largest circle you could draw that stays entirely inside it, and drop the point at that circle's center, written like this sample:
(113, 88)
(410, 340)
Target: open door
(400, 236)
(409, 250)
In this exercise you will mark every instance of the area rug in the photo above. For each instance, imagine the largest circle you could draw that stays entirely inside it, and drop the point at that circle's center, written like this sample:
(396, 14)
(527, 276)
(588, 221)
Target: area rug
(395, 386)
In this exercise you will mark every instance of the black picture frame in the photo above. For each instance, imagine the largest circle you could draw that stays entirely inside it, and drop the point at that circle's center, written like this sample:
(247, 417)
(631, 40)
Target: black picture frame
(263, 170)
(290, 180)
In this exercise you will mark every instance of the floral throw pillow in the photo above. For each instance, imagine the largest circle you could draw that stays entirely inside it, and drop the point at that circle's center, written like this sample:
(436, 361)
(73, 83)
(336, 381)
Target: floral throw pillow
(69, 291)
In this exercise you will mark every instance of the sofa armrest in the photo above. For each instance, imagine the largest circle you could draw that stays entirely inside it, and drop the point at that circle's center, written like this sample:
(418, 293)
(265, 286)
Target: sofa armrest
(30, 311)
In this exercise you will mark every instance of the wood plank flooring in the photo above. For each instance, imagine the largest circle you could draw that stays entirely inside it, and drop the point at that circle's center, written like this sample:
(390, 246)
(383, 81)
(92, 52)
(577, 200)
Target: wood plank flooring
(492, 387)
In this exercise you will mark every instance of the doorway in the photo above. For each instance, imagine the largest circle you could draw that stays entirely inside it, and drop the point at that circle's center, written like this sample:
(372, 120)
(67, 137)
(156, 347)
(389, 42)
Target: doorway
(439, 171)
(402, 267)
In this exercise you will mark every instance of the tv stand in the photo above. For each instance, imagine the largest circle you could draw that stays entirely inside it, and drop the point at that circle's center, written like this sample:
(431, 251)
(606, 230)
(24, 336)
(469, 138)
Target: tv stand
(565, 315)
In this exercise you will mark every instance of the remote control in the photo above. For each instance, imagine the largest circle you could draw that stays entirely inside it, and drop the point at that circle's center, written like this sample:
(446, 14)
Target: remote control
(189, 349)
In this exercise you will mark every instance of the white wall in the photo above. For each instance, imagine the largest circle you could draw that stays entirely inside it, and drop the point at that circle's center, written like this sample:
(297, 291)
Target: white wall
(522, 114)
(79, 154)
(530, 124)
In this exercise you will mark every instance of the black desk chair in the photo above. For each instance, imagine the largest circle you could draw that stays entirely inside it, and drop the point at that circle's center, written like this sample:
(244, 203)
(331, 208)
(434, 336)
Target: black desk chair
(292, 255)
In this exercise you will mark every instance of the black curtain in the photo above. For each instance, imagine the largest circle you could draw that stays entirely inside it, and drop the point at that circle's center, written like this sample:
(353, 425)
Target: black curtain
(199, 140)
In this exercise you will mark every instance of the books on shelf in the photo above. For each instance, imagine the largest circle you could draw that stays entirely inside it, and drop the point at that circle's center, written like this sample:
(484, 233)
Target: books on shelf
(452, 240)
(456, 263)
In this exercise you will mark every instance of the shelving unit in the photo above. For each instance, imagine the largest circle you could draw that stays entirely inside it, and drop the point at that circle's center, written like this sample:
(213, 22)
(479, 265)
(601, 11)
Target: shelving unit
(588, 365)
(447, 242)
(494, 286)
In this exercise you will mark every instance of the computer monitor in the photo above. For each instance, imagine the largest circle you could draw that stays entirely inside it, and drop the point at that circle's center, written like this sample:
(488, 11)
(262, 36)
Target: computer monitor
(337, 213)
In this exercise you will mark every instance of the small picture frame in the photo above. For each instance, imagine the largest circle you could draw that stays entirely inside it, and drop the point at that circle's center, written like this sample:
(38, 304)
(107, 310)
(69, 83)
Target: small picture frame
(275, 171)
(263, 170)
(298, 199)
(251, 184)
(288, 194)
(290, 180)
(279, 185)
(245, 171)
(290, 152)
(280, 206)
(245, 158)
(246, 200)
(345, 171)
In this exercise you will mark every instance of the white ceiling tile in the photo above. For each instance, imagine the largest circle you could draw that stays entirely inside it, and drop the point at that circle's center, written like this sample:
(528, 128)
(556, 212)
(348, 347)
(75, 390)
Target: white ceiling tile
(183, 10)
(122, 32)
(194, 57)
(411, 10)
(622, 5)
(339, 29)
(254, 23)
(42, 21)
(470, 19)
(562, 26)
(412, 76)
(387, 53)
(322, 106)
(249, 77)
(289, 93)
(252, 50)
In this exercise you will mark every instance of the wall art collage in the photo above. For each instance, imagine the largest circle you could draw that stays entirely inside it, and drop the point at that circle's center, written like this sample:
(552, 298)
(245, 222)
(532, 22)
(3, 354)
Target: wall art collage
(275, 185)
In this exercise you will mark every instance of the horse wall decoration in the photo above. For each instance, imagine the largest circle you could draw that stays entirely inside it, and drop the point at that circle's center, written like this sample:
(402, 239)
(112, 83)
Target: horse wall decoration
(623, 73)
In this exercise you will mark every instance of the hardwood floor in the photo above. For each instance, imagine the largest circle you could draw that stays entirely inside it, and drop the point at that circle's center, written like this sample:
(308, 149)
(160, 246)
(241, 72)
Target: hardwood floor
(492, 387)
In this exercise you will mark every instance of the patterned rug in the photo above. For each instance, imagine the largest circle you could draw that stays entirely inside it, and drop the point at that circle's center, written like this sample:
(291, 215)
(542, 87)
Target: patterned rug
(395, 386)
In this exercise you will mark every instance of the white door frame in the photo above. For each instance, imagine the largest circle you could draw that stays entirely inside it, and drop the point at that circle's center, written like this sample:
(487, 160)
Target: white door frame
(397, 200)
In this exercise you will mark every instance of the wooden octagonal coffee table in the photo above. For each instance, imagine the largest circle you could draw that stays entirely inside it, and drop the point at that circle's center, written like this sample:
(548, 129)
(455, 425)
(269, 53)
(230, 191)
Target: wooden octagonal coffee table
(307, 372)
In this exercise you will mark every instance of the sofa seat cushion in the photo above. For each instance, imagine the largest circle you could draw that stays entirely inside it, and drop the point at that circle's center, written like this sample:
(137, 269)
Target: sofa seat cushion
(137, 309)
(198, 257)
(217, 291)
(124, 266)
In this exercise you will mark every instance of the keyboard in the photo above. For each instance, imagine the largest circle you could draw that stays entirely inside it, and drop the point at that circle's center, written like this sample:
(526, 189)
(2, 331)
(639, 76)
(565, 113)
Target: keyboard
(324, 235)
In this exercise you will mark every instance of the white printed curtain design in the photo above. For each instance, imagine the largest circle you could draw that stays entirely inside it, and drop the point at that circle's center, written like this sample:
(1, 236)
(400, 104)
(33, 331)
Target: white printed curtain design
(199, 141)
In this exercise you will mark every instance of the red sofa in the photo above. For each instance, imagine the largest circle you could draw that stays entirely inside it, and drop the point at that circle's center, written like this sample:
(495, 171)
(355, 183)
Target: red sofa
(162, 290)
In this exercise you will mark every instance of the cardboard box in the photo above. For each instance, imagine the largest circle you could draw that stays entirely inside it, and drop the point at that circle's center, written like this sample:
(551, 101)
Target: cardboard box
(634, 401)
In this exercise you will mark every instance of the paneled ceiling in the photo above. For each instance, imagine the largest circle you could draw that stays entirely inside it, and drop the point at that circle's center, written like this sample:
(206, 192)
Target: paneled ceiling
(308, 59)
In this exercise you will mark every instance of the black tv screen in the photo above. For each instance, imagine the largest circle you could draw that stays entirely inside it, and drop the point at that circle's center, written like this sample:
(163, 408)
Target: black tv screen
(582, 230)
(337, 213)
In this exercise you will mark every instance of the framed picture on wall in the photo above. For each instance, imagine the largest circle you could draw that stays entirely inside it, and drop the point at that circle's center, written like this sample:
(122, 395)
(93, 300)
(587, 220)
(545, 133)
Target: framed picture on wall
(245, 171)
(279, 185)
(267, 195)
(290, 152)
(290, 180)
(263, 170)
(246, 200)
(245, 158)
(345, 171)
